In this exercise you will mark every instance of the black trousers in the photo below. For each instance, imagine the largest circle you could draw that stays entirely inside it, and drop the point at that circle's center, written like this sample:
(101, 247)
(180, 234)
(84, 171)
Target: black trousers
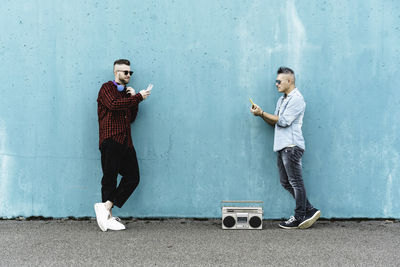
(118, 159)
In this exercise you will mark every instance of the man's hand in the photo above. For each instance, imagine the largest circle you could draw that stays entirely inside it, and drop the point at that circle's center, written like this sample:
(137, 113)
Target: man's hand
(145, 93)
(130, 90)
(149, 87)
(256, 110)
(269, 118)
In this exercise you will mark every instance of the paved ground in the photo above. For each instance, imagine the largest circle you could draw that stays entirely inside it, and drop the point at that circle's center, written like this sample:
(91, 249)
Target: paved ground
(183, 242)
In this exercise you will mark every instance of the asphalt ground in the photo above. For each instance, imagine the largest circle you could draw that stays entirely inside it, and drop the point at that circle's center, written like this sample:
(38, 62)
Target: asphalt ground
(188, 242)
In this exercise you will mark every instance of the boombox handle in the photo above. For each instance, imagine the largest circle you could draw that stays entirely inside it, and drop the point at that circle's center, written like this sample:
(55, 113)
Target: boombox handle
(260, 203)
(226, 201)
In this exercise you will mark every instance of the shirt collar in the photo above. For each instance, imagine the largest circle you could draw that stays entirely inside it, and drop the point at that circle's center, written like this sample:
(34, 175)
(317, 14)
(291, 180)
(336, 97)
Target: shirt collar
(291, 93)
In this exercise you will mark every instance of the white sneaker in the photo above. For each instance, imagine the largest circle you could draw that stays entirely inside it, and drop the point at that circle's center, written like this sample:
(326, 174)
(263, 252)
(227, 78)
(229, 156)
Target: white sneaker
(102, 215)
(114, 223)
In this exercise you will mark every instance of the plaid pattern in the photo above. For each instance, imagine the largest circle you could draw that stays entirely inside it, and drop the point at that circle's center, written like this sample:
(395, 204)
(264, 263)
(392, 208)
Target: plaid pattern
(116, 111)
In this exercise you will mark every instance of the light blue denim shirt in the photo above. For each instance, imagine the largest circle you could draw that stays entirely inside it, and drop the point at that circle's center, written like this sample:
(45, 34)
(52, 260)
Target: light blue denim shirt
(288, 128)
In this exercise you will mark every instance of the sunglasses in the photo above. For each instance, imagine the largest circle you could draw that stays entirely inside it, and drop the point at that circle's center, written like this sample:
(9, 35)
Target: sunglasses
(278, 81)
(126, 72)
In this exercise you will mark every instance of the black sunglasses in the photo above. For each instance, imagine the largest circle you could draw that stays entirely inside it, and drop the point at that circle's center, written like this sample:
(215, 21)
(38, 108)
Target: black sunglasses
(126, 72)
(278, 81)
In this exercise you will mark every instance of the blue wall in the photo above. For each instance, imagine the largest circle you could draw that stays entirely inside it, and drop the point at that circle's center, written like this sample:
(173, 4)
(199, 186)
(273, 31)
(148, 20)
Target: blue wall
(196, 140)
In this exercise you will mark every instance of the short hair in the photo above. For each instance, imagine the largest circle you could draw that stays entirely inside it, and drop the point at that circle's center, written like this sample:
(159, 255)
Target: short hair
(285, 70)
(122, 62)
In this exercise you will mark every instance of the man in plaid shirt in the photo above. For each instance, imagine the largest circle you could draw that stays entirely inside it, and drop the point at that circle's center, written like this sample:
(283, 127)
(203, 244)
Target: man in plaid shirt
(117, 109)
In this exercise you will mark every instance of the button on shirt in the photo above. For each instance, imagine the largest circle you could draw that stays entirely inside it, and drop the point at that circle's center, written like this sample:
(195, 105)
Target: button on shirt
(288, 128)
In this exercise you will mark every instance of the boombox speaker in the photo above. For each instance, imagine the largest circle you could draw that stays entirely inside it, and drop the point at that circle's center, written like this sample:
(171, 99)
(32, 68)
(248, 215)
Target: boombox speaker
(249, 218)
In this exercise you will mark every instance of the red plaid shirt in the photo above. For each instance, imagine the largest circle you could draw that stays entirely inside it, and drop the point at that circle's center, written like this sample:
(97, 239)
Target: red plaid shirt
(116, 110)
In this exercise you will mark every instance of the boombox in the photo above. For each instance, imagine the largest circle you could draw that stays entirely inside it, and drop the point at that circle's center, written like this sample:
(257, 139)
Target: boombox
(242, 218)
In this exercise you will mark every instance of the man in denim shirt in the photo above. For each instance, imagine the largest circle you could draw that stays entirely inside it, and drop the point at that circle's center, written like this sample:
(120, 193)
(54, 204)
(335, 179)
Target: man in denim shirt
(289, 145)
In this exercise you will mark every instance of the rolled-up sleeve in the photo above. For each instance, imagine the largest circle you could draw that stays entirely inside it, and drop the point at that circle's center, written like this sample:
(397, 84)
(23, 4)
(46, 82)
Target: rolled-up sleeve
(294, 108)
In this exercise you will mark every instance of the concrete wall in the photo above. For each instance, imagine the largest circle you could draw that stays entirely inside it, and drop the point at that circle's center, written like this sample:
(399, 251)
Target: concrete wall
(196, 140)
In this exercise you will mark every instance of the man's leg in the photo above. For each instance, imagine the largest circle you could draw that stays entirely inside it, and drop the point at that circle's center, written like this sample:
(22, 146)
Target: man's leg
(129, 169)
(293, 222)
(284, 180)
(291, 158)
(110, 161)
(305, 214)
(127, 166)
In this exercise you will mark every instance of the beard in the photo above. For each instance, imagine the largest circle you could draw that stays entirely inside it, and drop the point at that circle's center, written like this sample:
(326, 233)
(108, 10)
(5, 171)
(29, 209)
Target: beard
(123, 80)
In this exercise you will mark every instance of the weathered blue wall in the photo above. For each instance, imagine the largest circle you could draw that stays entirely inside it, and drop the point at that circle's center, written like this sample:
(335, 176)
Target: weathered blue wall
(196, 140)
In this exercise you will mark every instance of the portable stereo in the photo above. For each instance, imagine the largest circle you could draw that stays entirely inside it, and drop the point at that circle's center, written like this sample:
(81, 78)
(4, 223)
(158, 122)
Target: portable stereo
(249, 218)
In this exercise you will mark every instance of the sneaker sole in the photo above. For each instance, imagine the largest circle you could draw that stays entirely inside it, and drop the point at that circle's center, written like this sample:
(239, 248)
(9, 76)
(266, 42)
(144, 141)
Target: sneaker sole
(117, 229)
(285, 227)
(308, 223)
(102, 227)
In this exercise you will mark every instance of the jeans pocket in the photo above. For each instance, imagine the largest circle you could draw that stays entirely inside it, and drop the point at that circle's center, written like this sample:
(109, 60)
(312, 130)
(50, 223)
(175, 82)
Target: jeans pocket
(290, 151)
(298, 152)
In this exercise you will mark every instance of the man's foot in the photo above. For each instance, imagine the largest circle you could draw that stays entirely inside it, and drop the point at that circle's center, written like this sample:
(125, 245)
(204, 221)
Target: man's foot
(102, 215)
(292, 223)
(114, 223)
(311, 217)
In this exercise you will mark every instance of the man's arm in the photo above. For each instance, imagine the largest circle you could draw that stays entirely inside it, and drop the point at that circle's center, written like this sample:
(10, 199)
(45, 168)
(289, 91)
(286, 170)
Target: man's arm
(134, 109)
(108, 97)
(268, 118)
(143, 93)
(294, 108)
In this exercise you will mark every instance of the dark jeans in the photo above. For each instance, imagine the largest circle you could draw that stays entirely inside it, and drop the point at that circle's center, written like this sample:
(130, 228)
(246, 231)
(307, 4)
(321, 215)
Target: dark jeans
(118, 159)
(289, 164)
